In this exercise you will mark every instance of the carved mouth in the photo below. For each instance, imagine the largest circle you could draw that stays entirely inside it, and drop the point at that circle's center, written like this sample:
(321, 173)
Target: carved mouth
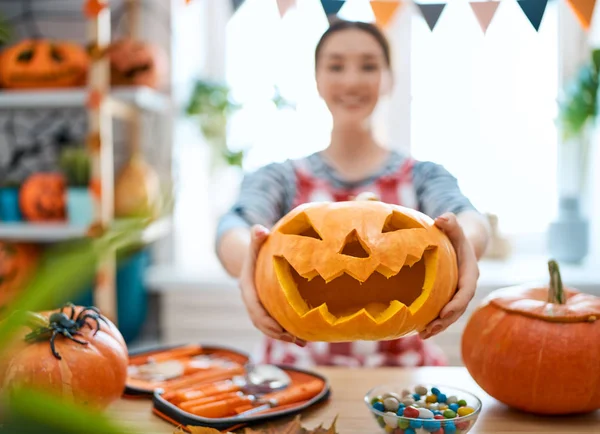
(380, 296)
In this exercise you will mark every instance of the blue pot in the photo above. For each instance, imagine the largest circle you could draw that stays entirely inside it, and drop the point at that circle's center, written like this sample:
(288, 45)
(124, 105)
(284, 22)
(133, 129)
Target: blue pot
(9, 204)
(80, 206)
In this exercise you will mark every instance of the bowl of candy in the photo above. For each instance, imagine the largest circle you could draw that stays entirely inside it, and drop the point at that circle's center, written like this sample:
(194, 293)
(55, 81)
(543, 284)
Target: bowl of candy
(423, 408)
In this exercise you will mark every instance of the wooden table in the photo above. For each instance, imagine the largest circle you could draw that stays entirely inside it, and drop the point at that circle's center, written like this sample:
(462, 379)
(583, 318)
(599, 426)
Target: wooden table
(350, 385)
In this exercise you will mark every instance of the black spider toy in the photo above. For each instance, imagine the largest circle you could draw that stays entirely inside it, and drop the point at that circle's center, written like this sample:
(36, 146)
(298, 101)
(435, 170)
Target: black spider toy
(61, 323)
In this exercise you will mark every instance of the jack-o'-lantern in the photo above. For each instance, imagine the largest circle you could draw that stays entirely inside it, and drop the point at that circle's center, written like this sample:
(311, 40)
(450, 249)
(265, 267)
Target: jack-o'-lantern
(357, 270)
(136, 63)
(35, 64)
(42, 197)
(17, 265)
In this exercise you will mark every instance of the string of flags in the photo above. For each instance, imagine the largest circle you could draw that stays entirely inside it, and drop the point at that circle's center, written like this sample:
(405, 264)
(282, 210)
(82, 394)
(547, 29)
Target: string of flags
(484, 11)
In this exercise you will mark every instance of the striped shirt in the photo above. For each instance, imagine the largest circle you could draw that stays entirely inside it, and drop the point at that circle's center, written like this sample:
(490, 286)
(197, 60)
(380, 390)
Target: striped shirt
(267, 194)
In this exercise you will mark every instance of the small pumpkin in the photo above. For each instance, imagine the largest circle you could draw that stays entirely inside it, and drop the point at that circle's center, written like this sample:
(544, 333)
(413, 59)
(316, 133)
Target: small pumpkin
(89, 368)
(18, 262)
(41, 63)
(136, 63)
(536, 348)
(42, 197)
(137, 189)
(355, 270)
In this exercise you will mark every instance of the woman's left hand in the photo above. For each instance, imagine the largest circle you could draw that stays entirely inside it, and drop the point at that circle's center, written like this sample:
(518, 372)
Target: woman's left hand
(468, 274)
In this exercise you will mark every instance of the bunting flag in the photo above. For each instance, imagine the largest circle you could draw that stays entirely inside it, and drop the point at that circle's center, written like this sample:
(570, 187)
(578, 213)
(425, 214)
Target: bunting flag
(583, 10)
(332, 7)
(534, 11)
(431, 12)
(384, 11)
(284, 6)
(485, 11)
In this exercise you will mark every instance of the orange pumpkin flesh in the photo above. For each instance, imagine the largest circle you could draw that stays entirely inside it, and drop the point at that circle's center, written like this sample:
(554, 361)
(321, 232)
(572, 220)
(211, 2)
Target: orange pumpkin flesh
(537, 350)
(92, 374)
(360, 270)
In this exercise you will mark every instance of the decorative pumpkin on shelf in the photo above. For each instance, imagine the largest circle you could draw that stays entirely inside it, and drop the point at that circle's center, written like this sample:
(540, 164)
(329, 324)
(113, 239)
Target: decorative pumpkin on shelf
(18, 262)
(42, 197)
(74, 352)
(356, 270)
(537, 348)
(136, 63)
(41, 63)
(137, 189)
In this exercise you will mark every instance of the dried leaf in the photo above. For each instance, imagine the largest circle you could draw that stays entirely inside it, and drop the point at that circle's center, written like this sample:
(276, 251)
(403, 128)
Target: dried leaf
(294, 427)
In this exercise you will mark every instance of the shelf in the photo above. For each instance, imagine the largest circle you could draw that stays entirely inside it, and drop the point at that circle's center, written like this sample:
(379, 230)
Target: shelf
(56, 232)
(144, 98)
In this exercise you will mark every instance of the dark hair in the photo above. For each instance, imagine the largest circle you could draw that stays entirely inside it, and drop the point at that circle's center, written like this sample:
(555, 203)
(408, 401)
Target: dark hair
(339, 25)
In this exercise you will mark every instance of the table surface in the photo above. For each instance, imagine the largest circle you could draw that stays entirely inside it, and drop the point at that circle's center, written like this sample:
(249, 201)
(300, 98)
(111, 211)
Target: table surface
(348, 387)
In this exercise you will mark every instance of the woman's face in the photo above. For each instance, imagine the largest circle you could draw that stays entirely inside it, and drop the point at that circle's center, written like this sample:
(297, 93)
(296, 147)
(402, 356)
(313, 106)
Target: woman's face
(351, 69)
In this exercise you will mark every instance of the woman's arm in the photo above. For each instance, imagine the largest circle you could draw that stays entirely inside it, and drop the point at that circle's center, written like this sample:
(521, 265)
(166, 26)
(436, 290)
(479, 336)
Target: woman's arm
(477, 230)
(233, 249)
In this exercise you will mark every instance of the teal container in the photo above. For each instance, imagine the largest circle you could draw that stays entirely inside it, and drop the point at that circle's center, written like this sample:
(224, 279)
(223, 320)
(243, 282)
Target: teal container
(80, 206)
(9, 205)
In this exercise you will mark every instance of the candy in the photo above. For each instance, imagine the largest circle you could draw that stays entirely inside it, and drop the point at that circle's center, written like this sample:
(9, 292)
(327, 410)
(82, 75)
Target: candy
(390, 419)
(408, 401)
(452, 399)
(431, 398)
(379, 406)
(391, 404)
(416, 423)
(464, 411)
(416, 396)
(405, 393)
(441, 397)
(411, 412)
(425, 414)
(432, 425)
(449, 414)
(403, 424)
(453, 407)
(435, 391)
(462, 403)
(421, 390)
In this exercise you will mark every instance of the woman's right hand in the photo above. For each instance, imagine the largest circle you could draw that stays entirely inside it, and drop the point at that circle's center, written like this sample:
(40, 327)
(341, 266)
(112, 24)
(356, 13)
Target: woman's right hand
(259, 316)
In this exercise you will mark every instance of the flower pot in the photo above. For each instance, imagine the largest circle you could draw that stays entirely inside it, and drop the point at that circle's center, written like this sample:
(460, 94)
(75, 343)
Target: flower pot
(568, 235)
(80, 206)
(9, 204)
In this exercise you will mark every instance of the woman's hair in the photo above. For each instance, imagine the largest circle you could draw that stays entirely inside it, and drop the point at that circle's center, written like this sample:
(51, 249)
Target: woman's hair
(372, 29)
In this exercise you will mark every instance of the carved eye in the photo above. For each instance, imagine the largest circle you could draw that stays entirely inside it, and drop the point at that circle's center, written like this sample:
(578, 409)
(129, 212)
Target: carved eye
(398, 222)
(56, 55)
(25, 56)
(302, 226)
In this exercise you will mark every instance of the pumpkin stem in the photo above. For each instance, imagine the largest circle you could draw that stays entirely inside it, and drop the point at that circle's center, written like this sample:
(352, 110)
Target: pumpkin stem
(34, 320)
(555, 293)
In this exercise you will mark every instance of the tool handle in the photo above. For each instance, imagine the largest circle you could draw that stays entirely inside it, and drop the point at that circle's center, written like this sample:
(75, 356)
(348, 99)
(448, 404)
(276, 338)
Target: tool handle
(219, 409)
(297, 393)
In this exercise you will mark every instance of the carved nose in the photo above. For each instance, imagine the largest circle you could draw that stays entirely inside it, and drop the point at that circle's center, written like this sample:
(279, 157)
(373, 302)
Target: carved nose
(354, 246)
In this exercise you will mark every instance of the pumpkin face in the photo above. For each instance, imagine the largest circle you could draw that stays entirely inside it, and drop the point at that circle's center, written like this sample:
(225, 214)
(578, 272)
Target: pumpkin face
(526, 351)
(93, 374)
(136, 63)
(17, 265)
(34, 64)
(360, 270)
(42, 197)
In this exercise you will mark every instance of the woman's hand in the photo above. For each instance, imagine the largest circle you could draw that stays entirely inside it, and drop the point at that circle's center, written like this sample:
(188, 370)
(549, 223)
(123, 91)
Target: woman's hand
(259, 316)
(468, 274)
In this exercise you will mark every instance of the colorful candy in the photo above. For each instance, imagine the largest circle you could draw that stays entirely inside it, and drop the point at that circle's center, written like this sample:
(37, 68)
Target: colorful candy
(422, 411)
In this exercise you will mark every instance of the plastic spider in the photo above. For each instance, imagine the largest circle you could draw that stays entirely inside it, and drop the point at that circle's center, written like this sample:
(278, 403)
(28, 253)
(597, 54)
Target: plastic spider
(68, 326)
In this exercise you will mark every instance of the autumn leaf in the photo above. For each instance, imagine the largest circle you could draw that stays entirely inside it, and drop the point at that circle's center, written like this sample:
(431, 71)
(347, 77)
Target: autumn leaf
(293, 427)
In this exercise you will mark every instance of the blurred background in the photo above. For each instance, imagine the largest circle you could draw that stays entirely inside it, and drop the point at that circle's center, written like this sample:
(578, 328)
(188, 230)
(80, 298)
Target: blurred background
(209, 90)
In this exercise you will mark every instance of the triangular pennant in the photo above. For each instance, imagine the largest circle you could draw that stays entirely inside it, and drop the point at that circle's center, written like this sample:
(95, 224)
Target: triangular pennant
(485, 11)
(534, 11)
(431, 12)
(284, 6)
(332, 7)
(384, 10)
(583, 10)
(236, 4)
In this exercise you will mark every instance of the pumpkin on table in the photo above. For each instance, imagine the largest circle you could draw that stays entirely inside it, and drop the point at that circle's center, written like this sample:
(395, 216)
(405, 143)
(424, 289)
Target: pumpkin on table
(18, 262)
(42, 197)
(356, 270)
(75, 353)
(537, 348)
(136, 63)
(41, 63)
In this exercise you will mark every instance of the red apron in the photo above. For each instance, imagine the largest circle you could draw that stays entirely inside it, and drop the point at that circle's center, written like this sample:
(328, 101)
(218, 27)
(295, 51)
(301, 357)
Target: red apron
(408, 351)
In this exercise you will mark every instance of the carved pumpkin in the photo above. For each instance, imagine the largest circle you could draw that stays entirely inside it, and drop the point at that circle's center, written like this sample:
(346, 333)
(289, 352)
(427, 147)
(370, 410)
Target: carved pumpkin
(91, 373)
(34, 64)
(537, 348)
(42, 197)
(17, 265)
(358, 270)
(137, 190)
(136, 63)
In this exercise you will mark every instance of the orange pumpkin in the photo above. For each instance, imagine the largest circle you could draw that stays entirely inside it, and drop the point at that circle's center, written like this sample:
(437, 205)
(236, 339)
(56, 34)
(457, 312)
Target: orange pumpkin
(34, 64)
(136, 63)
(17, 264)
(357, 270)
(536, 348)
(42, 197)
(91, 373)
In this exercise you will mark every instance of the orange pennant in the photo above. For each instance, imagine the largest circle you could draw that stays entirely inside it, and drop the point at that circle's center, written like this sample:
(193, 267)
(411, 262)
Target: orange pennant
(92, 8)
(284, 6)
(583, 10)
(384, 10)
(485, 11)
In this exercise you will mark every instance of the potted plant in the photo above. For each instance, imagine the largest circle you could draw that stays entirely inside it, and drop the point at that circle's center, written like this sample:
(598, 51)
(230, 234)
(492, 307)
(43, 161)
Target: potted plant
(569, 233)
(9, 202)
(75, 164)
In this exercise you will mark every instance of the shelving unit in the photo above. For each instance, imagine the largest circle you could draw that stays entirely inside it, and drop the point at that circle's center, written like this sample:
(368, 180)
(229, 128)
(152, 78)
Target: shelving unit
(103, 103)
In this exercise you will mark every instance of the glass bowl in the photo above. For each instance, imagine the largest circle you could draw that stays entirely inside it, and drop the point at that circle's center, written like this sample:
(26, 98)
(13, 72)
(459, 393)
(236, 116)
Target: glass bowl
(391, 422)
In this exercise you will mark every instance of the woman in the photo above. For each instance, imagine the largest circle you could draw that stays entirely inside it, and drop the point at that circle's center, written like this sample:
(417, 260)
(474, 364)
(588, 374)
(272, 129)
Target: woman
(353, 69)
